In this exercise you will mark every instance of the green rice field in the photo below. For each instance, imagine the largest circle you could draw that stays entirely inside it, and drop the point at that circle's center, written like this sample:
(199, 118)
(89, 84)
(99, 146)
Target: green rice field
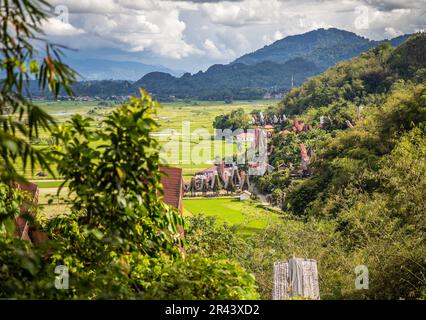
(248, 217)
(170, 116)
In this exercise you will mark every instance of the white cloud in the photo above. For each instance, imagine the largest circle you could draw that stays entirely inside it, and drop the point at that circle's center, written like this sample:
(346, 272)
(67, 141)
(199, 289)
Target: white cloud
(129, 25)
(241, 13)
(392, 33)
(203, 32)
(56, 27)
(213, 51)
(276, 36)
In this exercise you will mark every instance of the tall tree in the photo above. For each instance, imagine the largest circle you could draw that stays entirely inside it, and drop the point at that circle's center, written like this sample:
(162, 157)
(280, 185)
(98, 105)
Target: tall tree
(20, 119)
(117, 239)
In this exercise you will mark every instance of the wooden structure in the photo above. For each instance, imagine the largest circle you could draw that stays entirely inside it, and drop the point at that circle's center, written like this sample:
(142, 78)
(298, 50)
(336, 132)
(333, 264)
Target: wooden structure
(23, 229)
(172, 182)
(295, 278)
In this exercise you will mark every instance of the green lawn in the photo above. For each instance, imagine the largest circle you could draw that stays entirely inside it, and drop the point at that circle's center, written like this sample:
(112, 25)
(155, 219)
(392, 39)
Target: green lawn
(49, 184)
(248, 216)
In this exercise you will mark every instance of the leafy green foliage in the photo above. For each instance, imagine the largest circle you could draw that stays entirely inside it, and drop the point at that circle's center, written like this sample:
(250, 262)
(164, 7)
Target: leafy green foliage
(118, 240)
(324, 47)
(117, 196)
(236, 119)
(286, 151)
(202, 278)
(207, 237)
(20, 119)
(276, 180)
(409, 58)
(10, 200)
(361, 81)
(364, 203)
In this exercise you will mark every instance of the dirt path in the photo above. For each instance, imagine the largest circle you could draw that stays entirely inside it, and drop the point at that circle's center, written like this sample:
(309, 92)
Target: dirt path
(262, 197)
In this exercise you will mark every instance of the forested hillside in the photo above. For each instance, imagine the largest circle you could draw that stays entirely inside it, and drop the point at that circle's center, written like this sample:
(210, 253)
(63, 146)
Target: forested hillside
(324, 47)
(232, 81)
(365, 198)
(277, 67)
(359, 81)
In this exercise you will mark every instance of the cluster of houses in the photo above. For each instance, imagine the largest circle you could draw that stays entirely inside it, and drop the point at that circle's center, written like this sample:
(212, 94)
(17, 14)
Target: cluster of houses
(224, 177)
(83, 98)
(229, 177)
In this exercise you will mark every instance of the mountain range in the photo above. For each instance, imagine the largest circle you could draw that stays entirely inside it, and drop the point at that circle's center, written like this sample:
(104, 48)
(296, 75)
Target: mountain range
(324, 47)
(273, 69)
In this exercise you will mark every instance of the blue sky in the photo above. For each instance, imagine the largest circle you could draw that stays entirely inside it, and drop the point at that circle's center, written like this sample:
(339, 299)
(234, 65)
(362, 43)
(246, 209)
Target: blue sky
(192, 35)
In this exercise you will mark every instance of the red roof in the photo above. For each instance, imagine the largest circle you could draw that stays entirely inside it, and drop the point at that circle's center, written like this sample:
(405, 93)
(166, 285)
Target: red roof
(172, 186)
(32, 188)
(298, 126)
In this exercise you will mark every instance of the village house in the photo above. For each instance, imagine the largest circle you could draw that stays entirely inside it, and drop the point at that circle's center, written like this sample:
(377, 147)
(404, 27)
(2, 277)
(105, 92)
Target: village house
(299, 126)
(173, 185)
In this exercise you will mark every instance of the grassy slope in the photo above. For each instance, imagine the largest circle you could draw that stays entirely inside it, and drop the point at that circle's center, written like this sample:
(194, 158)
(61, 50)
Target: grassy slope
(248, 216)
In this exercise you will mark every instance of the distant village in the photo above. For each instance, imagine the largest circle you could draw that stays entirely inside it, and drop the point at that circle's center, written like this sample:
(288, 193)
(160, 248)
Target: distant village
(85, 98)
(227, 177)
(269, 95)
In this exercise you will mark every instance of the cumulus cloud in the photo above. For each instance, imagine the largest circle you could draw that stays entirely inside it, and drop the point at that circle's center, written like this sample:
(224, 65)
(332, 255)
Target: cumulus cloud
(267, 38)
(219, 53)
(242, 13)
(128, 25)
(57, 27)
(194, 34)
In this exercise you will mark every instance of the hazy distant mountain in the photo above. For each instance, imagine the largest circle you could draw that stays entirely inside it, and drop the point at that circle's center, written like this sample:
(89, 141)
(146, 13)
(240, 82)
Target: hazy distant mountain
(324, 47)
(271, 69)
(99, 69)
